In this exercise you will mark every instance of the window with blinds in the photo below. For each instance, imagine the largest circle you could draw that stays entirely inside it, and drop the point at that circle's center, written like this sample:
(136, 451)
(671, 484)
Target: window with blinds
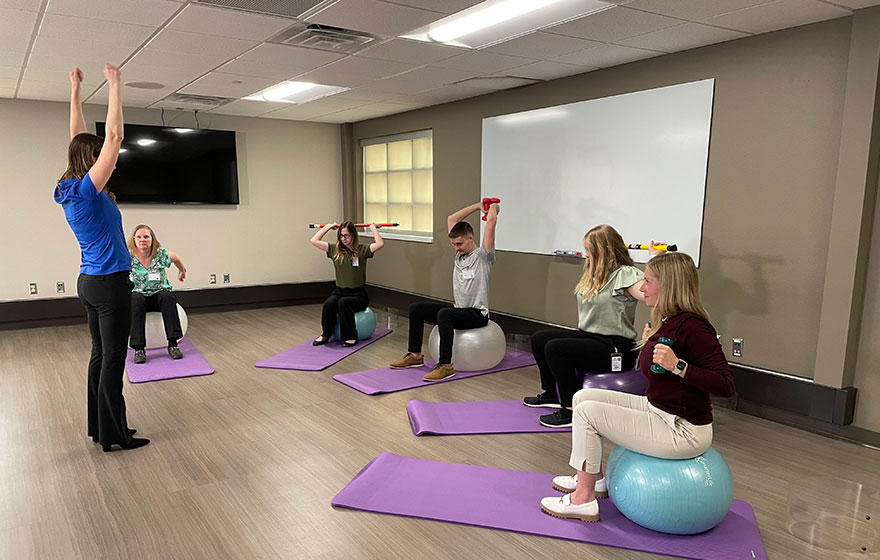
(399, 184)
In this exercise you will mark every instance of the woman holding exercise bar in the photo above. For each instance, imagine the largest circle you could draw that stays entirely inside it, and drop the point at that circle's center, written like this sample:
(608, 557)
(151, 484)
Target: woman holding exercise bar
(606, 294)
(349, 296)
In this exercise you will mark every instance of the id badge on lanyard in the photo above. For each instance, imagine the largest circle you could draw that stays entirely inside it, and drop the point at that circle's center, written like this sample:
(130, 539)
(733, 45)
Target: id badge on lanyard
(616, 361)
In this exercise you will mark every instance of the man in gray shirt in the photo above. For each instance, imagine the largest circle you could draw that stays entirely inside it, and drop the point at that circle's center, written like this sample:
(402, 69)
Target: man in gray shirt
(470, 287)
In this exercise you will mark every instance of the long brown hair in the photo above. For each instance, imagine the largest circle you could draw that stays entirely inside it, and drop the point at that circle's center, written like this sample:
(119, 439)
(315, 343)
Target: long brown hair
(82, 153)
(679, 289)
(341, 250)
(132, 248)
(607, 252)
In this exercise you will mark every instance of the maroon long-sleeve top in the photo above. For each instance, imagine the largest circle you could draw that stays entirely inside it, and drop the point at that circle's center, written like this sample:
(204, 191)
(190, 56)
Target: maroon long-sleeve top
(707, 373)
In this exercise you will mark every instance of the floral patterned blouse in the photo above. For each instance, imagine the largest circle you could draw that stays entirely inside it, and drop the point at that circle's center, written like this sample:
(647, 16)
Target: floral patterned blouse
(152, 279)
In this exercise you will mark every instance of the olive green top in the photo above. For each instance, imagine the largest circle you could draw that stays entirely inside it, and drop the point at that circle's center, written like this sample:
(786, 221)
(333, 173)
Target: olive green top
(352, 271)
(612, 311)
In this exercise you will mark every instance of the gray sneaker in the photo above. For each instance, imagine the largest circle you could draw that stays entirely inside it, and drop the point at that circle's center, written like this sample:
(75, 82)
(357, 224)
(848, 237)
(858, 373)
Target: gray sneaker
(175, 352)
(140, 357)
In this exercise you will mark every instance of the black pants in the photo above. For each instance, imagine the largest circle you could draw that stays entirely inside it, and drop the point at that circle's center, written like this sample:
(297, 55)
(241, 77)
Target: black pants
(163, 301)
(447, 318)
(560, 352)
(346, 302)
(107, 301)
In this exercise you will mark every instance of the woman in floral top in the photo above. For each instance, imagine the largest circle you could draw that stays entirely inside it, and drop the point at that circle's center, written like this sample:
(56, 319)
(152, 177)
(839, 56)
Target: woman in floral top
(152, 290)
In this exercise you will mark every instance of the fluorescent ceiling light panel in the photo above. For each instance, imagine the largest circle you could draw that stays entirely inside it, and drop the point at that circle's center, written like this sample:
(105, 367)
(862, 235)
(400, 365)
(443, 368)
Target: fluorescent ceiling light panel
(295, 92)
(495, 21)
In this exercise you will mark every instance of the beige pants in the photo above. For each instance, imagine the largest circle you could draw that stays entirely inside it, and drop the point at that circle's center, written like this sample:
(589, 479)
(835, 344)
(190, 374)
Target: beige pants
(634, 423)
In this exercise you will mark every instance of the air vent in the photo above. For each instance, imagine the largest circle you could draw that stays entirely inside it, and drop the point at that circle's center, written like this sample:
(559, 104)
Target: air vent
(495, 83)
(188, 101)
(325, 38)
(284, 8)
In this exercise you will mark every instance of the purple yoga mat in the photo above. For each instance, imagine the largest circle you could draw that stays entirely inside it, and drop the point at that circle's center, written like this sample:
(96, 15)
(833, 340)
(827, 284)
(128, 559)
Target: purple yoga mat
(306, 357)
(476, 417)
(160, 366)
(387, 380)
(509, 500)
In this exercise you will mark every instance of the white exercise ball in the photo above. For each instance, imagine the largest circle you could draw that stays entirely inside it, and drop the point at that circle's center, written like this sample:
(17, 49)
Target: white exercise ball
(472, 349)
(155, 328)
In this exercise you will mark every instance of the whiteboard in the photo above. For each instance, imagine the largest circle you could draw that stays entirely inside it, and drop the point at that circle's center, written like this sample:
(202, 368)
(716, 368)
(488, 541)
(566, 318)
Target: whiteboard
(635, 161)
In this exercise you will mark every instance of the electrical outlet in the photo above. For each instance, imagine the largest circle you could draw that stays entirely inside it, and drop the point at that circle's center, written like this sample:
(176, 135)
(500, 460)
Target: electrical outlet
(213, 279)
(737, 350)
(226, 278)
(32, 287)
(59, 287)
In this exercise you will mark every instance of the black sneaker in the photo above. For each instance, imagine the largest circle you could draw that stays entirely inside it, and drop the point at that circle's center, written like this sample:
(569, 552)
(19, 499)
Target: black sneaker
(544, 400)
(140, 357)
(559, 419)
(175, 353)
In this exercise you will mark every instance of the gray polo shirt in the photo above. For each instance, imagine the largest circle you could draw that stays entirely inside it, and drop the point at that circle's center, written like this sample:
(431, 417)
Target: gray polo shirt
(470, 279)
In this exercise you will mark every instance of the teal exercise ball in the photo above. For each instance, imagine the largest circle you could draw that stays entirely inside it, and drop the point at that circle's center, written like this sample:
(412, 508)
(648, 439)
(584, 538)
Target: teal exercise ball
(364, 321)
(677, 496)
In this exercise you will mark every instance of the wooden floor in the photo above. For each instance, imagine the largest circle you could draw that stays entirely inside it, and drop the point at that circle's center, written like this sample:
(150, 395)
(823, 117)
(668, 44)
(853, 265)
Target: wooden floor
(244, 462)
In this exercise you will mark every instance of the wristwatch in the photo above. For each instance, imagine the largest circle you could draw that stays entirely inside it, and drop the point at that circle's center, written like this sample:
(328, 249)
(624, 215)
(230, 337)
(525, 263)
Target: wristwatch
(679, 368)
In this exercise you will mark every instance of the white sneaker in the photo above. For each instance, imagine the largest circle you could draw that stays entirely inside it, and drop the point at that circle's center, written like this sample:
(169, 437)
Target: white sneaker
(564, 509)
(569, 483)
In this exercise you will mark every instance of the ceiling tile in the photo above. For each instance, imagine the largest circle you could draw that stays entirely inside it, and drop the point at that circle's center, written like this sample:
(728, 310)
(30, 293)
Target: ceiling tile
(606, 55)
(365, 95)
(301, 112)
(483, 62)
(7, 92)
(27, 5)
(443, 6)
(443, 94)
(613, 24)
(177, 64)
(8, 82)
(541, 46)
(694, 11)
(219, 84)
(857, 4)
(330, 119)
(247, 108)
(369, 68)
(546, 70)
(279, 62)
(331, 77)
(11, 58)
(410, 52)
(10, 72)
(130, 97)
(422, 79)
(682, 37)
(373, 16)
(57, 26)
(225, 22)
(48, 91)
(16, 28)
(151, 13)
(778, 15)
(208, 46)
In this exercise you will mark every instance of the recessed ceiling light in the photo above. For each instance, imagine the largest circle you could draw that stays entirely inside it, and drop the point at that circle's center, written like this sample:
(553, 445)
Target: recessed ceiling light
(145, 142)
(295, 92)
(495, 21)
(144, 85)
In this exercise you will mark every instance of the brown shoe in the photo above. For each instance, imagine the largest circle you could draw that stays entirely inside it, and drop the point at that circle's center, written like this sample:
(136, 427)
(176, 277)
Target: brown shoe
(441, 372)
(408, 361)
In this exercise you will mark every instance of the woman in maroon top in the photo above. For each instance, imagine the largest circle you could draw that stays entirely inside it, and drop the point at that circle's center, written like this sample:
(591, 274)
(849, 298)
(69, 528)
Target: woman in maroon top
(674, 419)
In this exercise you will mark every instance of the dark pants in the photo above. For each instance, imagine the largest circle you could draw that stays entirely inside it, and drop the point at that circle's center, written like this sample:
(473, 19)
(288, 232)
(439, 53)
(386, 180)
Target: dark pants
(345, 302)
(560, 352)
(107, 301)
(447, 318)
(163, 301)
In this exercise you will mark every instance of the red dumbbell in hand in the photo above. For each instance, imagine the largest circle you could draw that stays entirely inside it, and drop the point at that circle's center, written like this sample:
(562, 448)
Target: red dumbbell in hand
(487, 202)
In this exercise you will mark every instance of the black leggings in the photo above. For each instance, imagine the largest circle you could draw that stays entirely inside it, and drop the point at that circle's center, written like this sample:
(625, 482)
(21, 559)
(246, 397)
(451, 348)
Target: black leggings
(163, 301)
(560, 352)
(447, 318)
(346, 302)
(107, 300)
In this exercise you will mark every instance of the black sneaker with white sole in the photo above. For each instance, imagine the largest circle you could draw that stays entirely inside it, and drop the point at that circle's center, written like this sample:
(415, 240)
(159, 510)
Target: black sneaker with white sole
(140, 357)
(544, 400)
(559, 419)
(175, 353)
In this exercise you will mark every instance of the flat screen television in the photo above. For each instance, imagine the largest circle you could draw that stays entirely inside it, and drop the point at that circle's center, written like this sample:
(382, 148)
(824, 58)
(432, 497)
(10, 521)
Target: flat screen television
(167, 165)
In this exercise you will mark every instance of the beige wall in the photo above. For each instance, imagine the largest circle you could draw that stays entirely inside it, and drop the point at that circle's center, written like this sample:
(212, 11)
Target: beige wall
(289, 175)
(773, 158)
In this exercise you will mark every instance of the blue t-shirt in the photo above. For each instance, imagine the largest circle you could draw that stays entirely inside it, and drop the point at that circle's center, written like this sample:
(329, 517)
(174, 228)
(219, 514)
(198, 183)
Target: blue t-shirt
(97, 224)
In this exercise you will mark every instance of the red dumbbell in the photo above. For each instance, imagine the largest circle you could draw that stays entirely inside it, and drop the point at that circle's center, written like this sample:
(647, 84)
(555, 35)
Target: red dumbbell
(487, 202)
